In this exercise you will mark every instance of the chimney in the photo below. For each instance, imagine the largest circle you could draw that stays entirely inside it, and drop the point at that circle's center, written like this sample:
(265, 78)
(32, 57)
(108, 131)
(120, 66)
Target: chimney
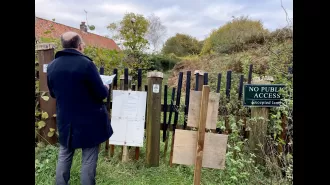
(83, 27)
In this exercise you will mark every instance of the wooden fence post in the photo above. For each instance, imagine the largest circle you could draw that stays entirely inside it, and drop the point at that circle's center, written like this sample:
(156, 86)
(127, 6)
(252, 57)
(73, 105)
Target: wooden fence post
(199, 80)
(228, 88)
(258, 128)
(114, 87)
(153, 117)
(48, 105)
(176, 113)
(186, 108)
(168, 125)
(201, 134)
(139, 88)
(127, 83)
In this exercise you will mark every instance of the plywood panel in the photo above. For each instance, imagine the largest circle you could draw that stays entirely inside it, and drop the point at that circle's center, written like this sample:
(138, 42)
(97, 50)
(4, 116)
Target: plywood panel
(194, 109)
(184, 149)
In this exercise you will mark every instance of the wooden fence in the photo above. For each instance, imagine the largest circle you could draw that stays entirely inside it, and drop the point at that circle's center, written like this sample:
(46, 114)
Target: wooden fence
(125, 83)
(201, 78)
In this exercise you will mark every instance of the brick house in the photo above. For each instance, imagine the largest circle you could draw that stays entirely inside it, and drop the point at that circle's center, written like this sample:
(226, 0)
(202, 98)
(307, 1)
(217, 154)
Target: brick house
(50, 29)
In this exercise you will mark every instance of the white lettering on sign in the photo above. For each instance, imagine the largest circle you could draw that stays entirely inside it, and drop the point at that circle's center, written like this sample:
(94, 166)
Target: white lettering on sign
(45, 68)
(155, 88)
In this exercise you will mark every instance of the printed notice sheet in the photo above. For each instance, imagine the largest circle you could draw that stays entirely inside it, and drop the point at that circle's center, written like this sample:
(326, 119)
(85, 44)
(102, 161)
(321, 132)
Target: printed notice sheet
(128, 117)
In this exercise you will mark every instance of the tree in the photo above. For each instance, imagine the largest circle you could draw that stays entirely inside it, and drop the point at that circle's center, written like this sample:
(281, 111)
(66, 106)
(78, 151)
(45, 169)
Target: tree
(182, 45)
(131, 30)
(156, 31)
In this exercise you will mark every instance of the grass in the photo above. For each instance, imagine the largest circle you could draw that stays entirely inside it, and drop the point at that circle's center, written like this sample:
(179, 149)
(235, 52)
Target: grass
(113, 171)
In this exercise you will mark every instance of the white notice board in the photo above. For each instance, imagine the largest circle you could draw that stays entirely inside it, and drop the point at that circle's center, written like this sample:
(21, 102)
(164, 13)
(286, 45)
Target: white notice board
(128, 117)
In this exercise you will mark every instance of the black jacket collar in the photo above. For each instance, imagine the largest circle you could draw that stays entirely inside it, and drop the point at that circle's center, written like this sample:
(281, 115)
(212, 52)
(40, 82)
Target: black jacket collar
(68, 52)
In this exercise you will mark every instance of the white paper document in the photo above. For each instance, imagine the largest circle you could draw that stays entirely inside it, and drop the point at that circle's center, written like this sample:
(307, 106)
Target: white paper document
(128, 117)
(107, 80)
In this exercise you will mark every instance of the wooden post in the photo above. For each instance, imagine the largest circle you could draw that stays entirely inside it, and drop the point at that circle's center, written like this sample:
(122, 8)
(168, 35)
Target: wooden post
(258, 129)
(176, 114)
(153, 117)
(283, 133)
(114, 87)
(228, 87)
(169, 123)
(219, 83)
(101, 71)
(164, 113)
(45, 56)
(127, 80)
(145, 123)
(186, 108)
(250, 73)
(201, 134)
(139, 88)
(199, 80)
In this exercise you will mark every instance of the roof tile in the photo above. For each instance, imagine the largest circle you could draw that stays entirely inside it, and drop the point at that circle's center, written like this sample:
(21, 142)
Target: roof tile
(51, 29)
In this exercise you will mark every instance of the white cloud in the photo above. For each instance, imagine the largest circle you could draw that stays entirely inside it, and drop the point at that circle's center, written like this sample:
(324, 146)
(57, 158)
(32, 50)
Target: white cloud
(221, 11)
(120, 9)
(164, 13)
(192, 17)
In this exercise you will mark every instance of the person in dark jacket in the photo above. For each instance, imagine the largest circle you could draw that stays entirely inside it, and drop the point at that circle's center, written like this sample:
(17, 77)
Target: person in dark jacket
(82, 119)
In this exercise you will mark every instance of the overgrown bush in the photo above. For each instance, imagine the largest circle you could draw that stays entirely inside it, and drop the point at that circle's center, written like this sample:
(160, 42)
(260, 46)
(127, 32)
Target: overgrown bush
(109, 59)
(233, 36)
(182, 45)
(162, 62)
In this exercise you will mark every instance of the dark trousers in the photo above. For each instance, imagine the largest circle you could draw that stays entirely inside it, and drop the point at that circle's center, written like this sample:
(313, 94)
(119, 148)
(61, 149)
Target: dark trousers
(88, 166)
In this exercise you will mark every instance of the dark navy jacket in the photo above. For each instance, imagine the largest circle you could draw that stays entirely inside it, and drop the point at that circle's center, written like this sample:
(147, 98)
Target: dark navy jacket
(74, 81)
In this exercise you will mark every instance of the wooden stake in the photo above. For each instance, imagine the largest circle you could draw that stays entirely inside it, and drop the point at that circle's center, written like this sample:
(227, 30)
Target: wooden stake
(201, 134)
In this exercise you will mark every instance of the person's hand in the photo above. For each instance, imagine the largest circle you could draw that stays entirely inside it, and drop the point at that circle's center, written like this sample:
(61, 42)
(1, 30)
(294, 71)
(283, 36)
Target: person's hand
(107, 86)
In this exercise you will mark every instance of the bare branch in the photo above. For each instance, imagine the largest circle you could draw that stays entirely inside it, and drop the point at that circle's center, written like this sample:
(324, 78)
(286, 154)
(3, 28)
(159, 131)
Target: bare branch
(156, 31)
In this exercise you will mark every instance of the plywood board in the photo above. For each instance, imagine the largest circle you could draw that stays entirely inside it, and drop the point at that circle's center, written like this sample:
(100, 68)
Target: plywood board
(214, 154)
(128, 117)
(212, 110)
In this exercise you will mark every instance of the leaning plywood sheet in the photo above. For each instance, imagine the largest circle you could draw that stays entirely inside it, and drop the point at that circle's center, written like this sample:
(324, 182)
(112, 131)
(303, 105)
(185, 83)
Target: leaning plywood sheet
(128, 117)
(214, 154)
(212, 110)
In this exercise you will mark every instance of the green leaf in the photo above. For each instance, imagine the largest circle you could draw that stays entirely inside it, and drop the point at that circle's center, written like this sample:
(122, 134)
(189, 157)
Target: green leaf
(44, 115)
(40, 144)
(237, 148)
(46, 98)
(41, 124)
(234, 178)
(37, 113)
(51, 129)
(105, 100)
(50, 134)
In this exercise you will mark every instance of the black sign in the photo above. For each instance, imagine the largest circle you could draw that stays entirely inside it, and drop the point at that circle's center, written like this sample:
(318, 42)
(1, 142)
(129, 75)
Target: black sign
(262, 95)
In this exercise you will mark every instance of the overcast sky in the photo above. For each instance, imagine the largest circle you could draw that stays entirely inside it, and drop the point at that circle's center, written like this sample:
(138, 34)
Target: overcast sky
(194, 17)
